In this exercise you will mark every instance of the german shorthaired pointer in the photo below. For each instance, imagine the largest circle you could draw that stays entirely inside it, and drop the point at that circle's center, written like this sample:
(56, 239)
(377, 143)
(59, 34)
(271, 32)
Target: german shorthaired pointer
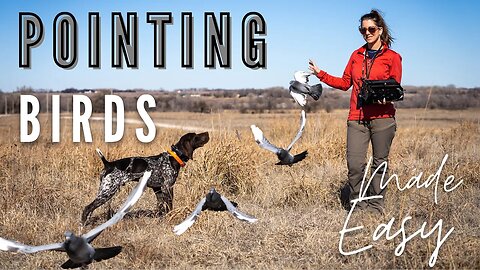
(164, 167)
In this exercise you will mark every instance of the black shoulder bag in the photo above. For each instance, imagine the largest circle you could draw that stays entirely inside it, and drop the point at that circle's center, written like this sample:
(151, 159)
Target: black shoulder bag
(373, 91)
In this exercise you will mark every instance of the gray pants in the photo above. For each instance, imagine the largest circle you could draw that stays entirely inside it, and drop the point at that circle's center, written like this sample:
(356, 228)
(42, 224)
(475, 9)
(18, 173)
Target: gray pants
(359, 134)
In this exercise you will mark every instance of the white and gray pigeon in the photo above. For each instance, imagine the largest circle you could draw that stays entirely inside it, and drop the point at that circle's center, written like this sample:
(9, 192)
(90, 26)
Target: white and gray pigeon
(299, 88)
(78, 248)
(283, 154)
(213, 201)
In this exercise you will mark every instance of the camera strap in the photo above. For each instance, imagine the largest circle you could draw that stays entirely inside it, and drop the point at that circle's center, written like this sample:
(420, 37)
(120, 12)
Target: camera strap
(366, 68)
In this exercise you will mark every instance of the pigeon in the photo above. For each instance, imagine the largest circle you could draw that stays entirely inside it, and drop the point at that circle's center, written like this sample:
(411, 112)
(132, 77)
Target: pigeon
(215, 202)
(283, 154)
(299, 88)
(78, 248)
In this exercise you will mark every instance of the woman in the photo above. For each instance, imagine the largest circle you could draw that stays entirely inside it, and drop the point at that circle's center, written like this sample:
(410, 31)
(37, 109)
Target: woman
(373, 123)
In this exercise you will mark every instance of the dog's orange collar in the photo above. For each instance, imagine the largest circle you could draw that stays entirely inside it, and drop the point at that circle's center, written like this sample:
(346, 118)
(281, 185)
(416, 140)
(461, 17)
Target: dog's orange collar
(176, 157)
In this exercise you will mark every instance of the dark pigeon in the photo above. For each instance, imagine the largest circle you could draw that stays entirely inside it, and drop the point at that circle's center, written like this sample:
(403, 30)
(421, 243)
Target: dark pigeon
(299, 88)
(78, 248)
(283, 154)
(213, 201)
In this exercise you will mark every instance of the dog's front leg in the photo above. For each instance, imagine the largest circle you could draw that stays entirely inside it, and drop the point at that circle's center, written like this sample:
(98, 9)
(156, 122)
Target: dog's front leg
(164, 200)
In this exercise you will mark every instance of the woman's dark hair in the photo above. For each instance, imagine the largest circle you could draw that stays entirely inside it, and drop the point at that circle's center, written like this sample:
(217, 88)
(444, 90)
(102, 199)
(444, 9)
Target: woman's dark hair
(375, 16)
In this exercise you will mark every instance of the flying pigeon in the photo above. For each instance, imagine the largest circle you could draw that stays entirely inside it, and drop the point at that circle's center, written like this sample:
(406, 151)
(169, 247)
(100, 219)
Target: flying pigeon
(215, 202)
(78, 248)
(283, 154)
(299, 88)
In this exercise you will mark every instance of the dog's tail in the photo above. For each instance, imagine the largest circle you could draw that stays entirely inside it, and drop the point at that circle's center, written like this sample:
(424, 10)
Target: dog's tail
(106, 163)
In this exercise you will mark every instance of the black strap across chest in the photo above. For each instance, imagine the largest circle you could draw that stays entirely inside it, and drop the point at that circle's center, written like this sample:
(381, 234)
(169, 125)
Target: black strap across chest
(366, 67)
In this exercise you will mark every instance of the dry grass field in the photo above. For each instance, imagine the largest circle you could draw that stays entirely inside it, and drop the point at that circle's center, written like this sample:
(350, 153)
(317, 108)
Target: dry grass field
(44, 187)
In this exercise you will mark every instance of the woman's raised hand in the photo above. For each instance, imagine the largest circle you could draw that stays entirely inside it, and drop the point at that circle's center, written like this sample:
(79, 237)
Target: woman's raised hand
(313, 67)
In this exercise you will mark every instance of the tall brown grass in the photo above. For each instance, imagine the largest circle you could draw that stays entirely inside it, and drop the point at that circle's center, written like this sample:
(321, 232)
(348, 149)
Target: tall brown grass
(44, 187)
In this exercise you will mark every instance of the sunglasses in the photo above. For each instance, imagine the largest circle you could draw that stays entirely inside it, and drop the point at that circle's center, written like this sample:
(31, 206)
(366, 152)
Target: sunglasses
(370, 29)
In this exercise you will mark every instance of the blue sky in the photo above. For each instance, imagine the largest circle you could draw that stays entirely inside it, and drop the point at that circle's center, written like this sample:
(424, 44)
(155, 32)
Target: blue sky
(438, 41)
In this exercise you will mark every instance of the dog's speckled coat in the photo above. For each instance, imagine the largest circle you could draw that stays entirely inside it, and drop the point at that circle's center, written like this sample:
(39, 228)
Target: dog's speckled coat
(164, 174)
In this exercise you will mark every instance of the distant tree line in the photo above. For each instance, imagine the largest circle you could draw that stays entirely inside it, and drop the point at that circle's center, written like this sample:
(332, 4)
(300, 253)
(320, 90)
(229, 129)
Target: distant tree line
(243, 100)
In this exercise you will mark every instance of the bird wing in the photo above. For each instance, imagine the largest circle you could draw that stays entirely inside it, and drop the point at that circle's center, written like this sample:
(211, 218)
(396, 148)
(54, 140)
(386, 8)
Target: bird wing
(301, 99)
(232, 209)
(303, 120)
(182, 227)
(262, 141)
(132, 198)
(8, 245)
(299, 157)
(298, 87)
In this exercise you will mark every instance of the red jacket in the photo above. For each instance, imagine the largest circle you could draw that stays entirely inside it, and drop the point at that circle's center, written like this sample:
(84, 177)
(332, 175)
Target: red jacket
(388, 64)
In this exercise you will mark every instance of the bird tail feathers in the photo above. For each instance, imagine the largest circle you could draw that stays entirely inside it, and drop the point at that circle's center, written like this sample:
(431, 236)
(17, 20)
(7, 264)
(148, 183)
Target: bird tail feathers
(70, 265)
